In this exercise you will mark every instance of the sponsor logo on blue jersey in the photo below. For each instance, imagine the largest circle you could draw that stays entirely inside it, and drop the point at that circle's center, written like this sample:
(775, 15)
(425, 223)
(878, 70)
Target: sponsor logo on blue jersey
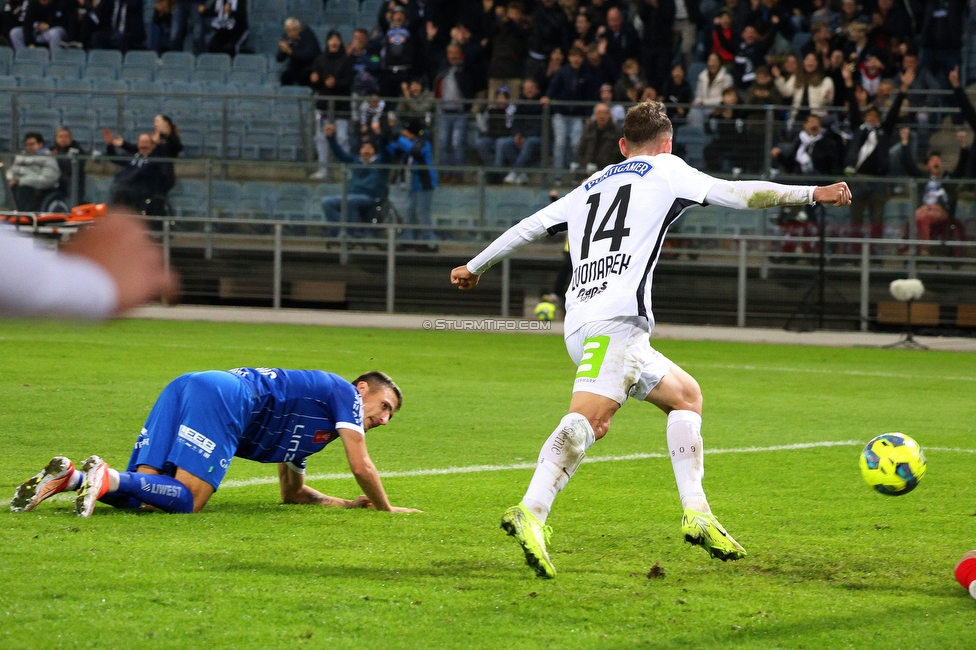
(196, 440)
(638, 167)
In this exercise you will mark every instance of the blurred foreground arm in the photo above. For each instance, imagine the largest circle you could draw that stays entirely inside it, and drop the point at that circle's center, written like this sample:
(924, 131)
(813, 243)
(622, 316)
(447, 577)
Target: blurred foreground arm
(107, 269)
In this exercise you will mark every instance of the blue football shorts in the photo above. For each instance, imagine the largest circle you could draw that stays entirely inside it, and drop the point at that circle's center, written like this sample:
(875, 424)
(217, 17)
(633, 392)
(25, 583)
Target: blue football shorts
(196, 425)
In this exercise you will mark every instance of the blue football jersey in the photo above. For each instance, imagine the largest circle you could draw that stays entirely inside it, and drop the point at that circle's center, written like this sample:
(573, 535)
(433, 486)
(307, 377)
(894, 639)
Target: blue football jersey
(296, 413)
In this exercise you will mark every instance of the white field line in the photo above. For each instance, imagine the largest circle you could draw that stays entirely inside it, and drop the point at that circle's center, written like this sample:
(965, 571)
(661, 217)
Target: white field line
(471, 469)
(824, 371)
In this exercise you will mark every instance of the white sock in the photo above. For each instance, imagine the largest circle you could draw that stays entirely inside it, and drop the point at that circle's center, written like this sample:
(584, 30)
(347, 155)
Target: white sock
(558, 460)
(77, 477)
(113, 480)
(688, 458)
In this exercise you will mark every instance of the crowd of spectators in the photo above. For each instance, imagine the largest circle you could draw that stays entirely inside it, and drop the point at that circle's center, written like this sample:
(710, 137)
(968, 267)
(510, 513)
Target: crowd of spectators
(850, 72)
(210, 25)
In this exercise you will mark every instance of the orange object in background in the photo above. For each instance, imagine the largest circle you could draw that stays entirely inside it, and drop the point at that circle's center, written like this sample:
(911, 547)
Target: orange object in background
(81, 214)
(88, 212)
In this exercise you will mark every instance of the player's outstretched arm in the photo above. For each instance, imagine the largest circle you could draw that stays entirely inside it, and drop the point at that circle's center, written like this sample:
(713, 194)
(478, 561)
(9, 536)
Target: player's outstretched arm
(365, 472)
(294, 490)
(757, 195)
(548, 220)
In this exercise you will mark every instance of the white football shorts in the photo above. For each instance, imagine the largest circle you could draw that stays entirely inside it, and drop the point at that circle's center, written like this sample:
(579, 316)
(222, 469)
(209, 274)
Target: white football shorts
(614, 358)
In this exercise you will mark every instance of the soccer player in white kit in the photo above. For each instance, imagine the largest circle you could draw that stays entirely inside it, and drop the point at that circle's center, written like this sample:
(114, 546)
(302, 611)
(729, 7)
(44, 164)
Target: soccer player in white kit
(617, 221)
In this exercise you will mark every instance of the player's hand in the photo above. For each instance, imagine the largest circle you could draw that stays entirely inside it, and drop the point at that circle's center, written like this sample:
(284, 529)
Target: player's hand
(121, 245)
(404, 510)
(329, 130)
(362, 501)
(464, 279)
(837, 194)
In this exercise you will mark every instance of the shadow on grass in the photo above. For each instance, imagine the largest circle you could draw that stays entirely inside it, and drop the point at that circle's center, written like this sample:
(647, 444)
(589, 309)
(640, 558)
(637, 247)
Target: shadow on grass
(454, 569)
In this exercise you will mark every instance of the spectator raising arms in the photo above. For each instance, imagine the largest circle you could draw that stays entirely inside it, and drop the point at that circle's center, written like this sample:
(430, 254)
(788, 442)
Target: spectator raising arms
(367, 183)
(144, 180)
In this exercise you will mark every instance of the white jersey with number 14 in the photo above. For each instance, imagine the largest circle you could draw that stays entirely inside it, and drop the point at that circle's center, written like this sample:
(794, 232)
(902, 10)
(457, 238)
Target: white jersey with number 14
(617, 222)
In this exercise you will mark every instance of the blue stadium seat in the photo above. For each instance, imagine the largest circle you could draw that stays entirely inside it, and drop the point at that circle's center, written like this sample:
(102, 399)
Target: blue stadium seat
(83, 133)
(105, 58)
(35, 100)
(173, 74)
(6, 57)
(179, 60)
(193, 139)
(37, 55)
(27, 69)
(69, 55)
(204, 75)
(137, 73)
(259, 146)
(290, 143)
(307, 11)
(138, 102)
(293, 91)
(74, 94)
(107, 102)
(188, 198)
(242, 77)
(97, 188)
(72, 115)
(8, 81)
(97, 72)
(293, 200)
(64, 71)
(251, 63)
(213, 61)
(81, 85)
(141, 59)
(44, 120)
(225, 197)
(694, 138)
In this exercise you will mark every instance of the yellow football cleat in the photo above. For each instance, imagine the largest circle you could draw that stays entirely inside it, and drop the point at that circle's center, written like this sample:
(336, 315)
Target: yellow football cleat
(704, 530)
(526, 528)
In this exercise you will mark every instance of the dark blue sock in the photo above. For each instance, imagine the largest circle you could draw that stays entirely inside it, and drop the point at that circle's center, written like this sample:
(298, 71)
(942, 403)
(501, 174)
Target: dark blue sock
(119, 500)
(157, 490)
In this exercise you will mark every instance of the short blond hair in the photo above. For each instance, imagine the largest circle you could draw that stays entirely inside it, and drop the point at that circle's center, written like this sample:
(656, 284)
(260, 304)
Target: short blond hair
(647, 122)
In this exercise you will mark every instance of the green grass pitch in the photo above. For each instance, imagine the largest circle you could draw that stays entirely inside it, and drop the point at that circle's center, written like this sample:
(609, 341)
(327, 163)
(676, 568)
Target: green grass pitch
(831, 564)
